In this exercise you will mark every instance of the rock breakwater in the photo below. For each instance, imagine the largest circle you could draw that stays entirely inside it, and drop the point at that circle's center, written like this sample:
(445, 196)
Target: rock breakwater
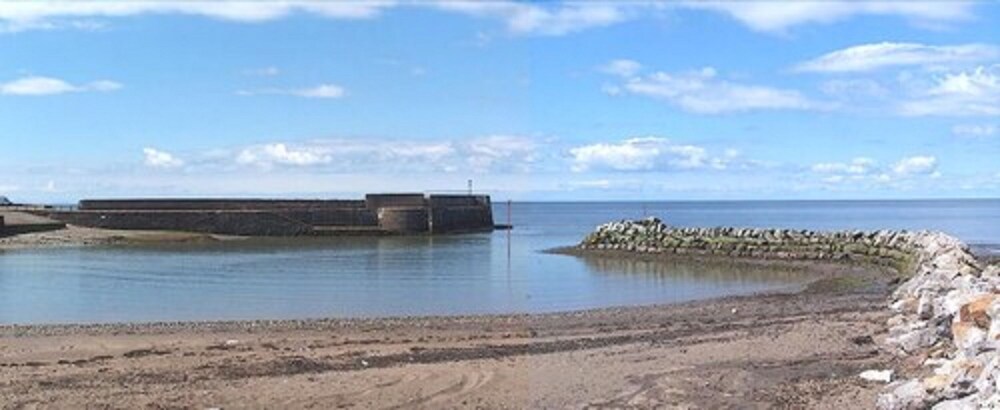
(652, 236)
(947, 312)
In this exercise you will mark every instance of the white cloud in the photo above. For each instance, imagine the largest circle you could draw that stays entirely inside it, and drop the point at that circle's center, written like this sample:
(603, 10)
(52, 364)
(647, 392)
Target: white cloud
(36, 86)
(321, 91)
(935, 89)
(480, 155)
(39, 86)
(155, 158)
(778, 16)
(486, 153)
(519, 17)
(854, 88)
(534, 19)
(612, 90)
(869, 57)
(649, 154)
(102, 86)
(858, 166)
(966, 93)
(39, 12)
(528, 18)
(703, 92)
(631, 155)
(917, 165)
(834, 179)
(7, 26)
(263, 71)
(590, 184)
(623, 67)
(863, 170)
(975, 130)
(279, 153)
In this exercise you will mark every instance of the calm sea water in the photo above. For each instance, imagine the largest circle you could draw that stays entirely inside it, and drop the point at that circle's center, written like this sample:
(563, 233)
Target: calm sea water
(462, 274)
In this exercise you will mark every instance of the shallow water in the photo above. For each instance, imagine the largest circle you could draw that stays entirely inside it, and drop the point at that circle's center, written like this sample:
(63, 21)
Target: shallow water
(462, 274)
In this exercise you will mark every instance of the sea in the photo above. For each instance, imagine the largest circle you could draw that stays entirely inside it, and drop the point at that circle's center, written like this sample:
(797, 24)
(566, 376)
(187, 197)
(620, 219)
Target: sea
(487, 273)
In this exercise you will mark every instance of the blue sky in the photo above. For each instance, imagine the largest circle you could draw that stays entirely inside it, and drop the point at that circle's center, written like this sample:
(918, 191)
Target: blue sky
(540, 100)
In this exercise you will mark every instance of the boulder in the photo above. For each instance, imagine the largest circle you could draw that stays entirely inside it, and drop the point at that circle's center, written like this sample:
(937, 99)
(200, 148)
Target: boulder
(904, 395)
(977, 311)
(882, 376)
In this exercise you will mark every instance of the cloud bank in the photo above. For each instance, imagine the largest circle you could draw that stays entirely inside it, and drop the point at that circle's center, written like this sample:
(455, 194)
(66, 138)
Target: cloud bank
(155, 158)
(863, 170)
(42, 86)
(648, 154)
(321, 91)
(702, 91)
(870, 57)
(519, 18)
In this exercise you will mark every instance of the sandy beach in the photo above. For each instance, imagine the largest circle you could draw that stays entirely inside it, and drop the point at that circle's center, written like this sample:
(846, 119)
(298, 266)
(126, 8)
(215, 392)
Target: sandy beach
(801, 349)
(74, 236)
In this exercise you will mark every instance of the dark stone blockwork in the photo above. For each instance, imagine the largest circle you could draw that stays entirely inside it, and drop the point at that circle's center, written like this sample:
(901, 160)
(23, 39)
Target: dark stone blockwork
(215, 204)
(377, 214)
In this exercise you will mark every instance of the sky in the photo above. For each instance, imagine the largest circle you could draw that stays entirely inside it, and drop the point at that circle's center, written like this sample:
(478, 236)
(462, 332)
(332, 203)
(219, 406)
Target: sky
(530, 100)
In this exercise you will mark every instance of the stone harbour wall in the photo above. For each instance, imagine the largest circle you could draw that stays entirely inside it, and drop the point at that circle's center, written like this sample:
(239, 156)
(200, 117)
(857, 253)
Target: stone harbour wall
(461, 219)
(403, 219)
(403, 213)
(376, 201)
(332, 217)
(947, 311)
(252, 223)
(218, 204)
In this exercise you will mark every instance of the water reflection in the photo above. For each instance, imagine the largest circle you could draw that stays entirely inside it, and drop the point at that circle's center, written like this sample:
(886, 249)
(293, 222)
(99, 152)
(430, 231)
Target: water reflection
(708, 270)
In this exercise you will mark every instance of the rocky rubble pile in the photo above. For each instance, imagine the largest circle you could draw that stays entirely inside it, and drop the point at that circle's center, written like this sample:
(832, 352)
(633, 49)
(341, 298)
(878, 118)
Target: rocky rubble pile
(947, 313)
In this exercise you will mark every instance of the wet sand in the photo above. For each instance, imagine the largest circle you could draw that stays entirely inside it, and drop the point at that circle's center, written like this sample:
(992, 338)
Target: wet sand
(802, 349)
(73, 236)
